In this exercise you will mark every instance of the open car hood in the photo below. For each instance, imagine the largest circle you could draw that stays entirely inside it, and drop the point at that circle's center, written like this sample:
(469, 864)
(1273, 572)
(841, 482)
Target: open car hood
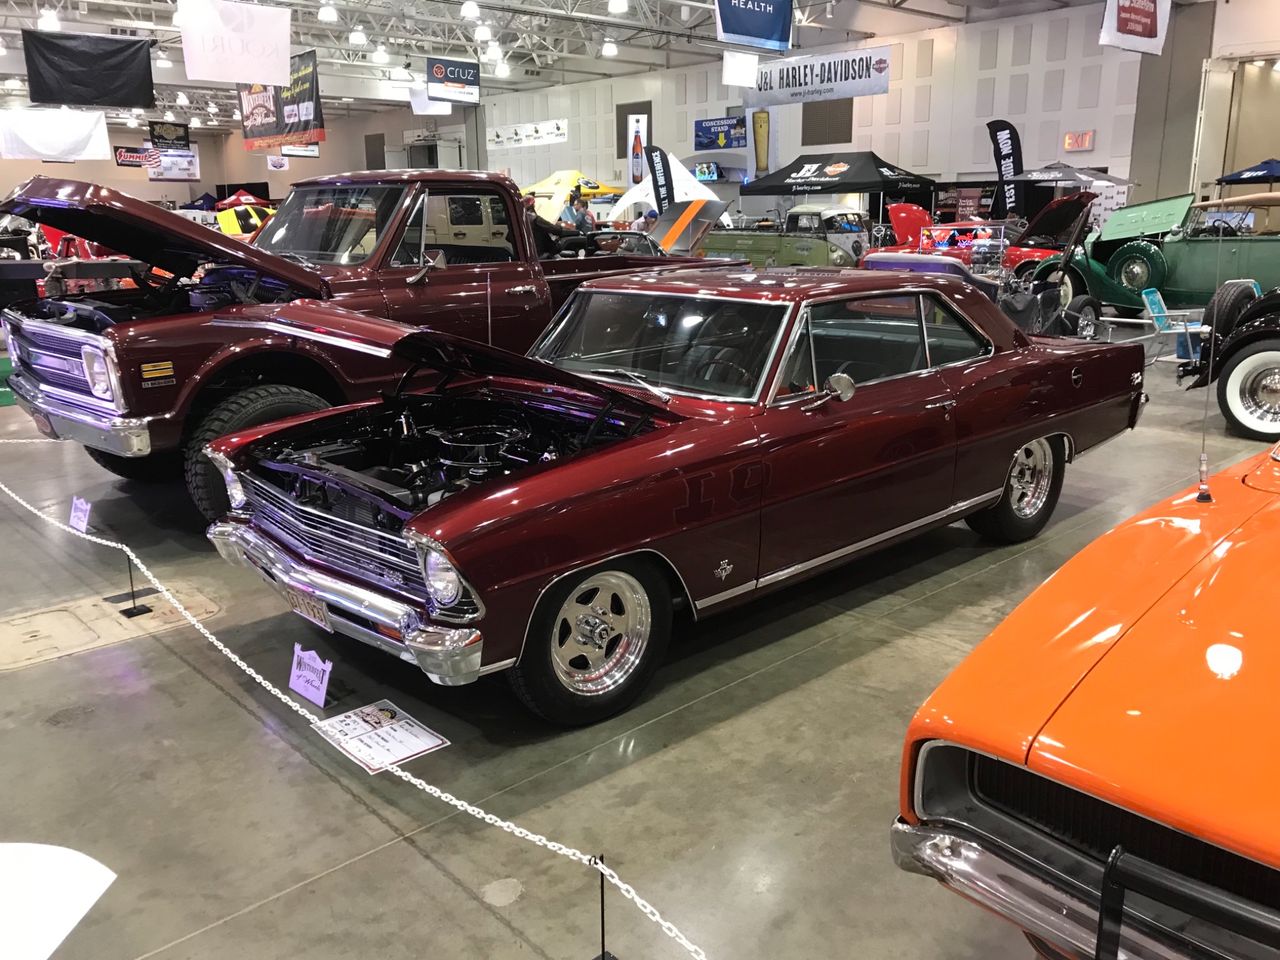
(1056, 220)
(1146, 219)
(908, 220)
(680, 228)
(449, 354)
(146, 232)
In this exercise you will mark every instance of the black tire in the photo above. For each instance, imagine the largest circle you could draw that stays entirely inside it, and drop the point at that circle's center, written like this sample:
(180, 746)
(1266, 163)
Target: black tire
(1026, 269)
(1071, 279)
(1007, 521)
(156, 468)
(1137, 266)
(1081, 316)
(1248, 389)
(1226, 305)
(536, 679)
(249, 408)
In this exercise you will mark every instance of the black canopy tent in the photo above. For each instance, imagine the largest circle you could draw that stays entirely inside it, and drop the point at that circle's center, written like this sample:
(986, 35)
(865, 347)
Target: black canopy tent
(836, 173)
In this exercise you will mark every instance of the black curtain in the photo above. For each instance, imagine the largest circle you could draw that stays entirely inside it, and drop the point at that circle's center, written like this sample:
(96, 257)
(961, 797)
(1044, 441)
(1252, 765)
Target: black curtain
(88, 70)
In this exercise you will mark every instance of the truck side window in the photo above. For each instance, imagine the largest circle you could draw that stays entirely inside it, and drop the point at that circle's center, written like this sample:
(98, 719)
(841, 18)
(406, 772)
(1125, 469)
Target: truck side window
(949, 337)
(467, 228)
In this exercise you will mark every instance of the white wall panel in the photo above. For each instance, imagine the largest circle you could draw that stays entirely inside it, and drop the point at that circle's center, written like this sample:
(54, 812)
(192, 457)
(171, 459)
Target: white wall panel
(1016, 105)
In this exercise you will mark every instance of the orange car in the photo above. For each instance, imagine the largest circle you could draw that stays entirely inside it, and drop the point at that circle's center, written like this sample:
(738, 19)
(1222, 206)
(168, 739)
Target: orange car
(1115, 735)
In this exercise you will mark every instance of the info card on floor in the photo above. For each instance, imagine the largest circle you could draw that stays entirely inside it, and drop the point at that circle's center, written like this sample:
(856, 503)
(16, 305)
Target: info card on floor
(379, 735)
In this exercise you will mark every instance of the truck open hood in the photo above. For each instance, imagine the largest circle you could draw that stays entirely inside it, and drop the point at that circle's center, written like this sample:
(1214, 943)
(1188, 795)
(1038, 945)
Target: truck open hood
(447, 353)
(908, 220)
(1055, 221)
(146, 232)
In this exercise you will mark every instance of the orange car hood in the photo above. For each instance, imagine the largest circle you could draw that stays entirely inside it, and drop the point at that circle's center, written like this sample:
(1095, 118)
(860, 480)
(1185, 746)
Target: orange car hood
(1046, 652)
(1174, 722)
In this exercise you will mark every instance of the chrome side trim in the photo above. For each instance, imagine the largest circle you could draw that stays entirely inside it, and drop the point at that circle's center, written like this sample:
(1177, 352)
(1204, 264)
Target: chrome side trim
(284, 329)
(795, 569)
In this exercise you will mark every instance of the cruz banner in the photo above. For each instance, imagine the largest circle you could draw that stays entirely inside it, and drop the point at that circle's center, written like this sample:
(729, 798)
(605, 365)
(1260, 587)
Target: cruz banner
(274, 116)
(1007, 146)
(754, 23)
(455, 81)
(1137, 25)
(829, 76)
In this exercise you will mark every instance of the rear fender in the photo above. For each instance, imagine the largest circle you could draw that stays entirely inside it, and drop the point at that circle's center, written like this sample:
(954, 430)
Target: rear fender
(1251, 328)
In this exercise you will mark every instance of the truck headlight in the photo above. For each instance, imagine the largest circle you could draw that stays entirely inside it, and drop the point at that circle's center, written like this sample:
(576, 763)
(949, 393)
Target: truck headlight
(99, 371)
(443, 583)
(840, 259)
(235, 490)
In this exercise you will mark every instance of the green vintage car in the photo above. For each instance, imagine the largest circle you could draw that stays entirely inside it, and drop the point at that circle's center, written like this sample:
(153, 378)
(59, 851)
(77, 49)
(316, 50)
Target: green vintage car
(1185, 250)
(813, 235)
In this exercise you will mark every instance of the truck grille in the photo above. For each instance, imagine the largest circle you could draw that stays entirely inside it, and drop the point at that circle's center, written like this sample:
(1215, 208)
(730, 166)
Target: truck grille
(1094, 828)
(346, 545)
(51, 357)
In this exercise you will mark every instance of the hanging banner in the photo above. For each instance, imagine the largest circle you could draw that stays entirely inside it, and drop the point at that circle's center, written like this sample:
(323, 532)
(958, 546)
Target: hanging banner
(455, 81)
(300, 150)
(1007, 146)
(169, 136)
(57, 135)
(720, 133)
(273, 116)
(131, 156)
(423, 106)
(528, 134)
(176, 165)
(1137, 25)
(754, 23)
(235, 42)
(664, 188)
(88, 70)
(829, 76)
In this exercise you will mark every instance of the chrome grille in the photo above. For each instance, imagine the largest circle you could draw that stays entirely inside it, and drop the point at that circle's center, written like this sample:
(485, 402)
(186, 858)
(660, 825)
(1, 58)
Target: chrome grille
(51, 357)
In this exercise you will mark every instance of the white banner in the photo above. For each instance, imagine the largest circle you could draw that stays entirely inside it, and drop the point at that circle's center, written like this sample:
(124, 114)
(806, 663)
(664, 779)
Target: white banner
(64, 135)
(528, 134)
(235, 42)
(163, 165)
(1137, 25)
(830, 76)
(423, 106)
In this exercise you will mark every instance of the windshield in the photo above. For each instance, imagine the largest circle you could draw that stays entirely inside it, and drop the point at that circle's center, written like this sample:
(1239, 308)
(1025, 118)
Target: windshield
(342, 224)
(717, 348)
(1233, 221)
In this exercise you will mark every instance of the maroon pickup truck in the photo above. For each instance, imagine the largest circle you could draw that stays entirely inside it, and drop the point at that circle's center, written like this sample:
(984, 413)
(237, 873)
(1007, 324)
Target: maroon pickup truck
(198, 348)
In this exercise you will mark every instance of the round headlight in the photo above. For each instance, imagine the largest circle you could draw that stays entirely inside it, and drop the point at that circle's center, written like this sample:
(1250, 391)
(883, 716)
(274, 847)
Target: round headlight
(97, 371)
(443, 583)
(840, 259)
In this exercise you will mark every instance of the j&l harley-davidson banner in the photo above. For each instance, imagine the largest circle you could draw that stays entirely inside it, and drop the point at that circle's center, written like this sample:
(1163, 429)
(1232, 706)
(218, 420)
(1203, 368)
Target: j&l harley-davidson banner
(1138, 25)
(274, 116)
(830, 76)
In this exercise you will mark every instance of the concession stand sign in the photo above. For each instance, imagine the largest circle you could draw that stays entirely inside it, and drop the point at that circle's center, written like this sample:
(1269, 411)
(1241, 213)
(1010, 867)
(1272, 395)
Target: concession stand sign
(832, 76)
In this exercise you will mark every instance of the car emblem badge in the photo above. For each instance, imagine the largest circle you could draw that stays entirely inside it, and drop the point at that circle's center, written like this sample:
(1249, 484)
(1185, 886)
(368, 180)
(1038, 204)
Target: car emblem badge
(723, 570)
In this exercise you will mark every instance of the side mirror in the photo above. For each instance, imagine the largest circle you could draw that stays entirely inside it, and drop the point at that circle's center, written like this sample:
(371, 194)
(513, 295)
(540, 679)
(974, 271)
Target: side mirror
(431, 260)
(838, 387)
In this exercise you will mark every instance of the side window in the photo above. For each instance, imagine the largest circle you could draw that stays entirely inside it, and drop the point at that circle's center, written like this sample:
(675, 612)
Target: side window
(869, 338)
(950, 338)
(455, 225)
(797, 371)
(465, 212)
(406, 254)
(497, 212)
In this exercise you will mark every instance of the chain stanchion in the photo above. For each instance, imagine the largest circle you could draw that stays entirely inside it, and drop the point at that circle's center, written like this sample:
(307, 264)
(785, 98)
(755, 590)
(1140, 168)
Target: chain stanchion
(607, 874)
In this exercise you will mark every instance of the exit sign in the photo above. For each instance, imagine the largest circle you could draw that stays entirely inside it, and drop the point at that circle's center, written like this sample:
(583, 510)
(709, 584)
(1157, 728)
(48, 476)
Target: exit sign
(1077, 141)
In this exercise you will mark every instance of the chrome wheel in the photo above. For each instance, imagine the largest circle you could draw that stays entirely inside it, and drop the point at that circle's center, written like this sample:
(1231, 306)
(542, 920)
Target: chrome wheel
(1031, 479)
(1134, 273)
(600, 633)
(1260, 394)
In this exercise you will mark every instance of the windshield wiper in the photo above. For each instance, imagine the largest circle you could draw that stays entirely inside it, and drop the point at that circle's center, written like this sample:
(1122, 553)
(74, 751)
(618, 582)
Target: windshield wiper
(295, 257)
(637, 379)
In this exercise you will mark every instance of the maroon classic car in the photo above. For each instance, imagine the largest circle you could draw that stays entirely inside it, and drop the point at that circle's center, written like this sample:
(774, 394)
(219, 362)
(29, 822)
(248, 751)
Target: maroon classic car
(689, 441)
(145, 377)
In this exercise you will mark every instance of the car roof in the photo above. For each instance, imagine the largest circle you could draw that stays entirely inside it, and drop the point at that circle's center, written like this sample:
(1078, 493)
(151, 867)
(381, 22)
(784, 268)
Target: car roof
(773, 284)
(825, 209)
(1247, 200)
(408, 176)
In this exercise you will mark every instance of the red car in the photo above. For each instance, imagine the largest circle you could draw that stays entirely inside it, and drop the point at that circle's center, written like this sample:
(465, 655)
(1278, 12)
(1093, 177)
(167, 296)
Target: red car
(687, 441)
(1044, 235)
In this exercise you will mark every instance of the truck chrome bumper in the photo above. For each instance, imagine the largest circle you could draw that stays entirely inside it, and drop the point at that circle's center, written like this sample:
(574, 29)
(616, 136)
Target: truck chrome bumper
(1016, 893)
(57, 418)
(448, 656)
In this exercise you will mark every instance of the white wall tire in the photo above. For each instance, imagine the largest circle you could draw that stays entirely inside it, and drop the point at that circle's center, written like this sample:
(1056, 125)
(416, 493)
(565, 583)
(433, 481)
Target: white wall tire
(1249, 391)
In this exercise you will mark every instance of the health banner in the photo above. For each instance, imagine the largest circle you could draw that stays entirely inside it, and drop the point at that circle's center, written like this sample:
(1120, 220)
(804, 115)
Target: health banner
(1007, 146)
(754, 23)
(720, 133)
(454, 81)
(1137, 25)
(830, 76)
(274, 116)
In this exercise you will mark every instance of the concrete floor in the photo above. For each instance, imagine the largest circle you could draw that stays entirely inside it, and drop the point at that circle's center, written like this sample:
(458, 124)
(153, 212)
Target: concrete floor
(747, 796)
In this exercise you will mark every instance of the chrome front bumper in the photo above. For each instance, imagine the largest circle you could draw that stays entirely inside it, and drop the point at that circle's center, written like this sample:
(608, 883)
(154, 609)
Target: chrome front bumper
(448, 656)
(57, 418)
(1016, 893)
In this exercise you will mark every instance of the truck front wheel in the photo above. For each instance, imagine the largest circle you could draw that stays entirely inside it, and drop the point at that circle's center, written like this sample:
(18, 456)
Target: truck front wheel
(249, 408)
(157, 468)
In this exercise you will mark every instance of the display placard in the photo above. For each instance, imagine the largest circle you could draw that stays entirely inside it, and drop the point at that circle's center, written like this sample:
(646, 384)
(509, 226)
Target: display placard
(300, 150)
(536, 134)
(455, 81)
(829, 76)
(379, 735)
(163, 165)
(720, 133)
(273, 116)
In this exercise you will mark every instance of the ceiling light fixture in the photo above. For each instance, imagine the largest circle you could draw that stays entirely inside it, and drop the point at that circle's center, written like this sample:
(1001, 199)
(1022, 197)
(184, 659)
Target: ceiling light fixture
(618, 6)
(131, 122)
(831, 9)
(327, 13)
(168, 116)
(195, 123)
(48, 21)
(609, 49)
(137, 111)
(402, 74)
(501, 70)
(163, 62)
(2, 47)
(380, 55)
(470, 10)
(13, 84)
(483, 33)
(348, 99)
(181, 99)
(213, 107)
(357, 37)
(1276, 66)
(235, 115)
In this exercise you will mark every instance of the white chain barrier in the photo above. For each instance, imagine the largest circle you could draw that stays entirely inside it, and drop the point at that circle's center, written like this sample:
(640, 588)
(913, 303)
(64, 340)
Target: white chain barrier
(627, 891)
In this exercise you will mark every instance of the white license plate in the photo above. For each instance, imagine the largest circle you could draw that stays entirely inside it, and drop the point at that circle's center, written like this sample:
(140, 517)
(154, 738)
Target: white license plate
(309, 608)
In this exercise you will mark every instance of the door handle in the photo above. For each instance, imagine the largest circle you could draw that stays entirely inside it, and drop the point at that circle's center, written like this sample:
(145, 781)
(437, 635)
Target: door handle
(940, 404)
(523, 288)
(459, 235)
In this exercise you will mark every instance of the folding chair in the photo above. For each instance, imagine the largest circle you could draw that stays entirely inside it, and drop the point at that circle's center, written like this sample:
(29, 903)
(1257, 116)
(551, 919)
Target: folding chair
(1179, 323)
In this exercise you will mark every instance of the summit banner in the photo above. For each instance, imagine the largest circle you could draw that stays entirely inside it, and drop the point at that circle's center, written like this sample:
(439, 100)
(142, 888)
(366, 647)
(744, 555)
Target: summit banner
(830, 76)
(754, 23)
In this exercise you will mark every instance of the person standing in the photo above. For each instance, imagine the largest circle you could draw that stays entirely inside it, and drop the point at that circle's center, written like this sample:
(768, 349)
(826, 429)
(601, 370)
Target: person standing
(645, 224)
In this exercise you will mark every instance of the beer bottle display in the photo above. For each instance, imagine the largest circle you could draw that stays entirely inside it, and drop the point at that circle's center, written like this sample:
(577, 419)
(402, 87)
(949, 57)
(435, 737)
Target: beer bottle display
(637, 156)
(760, 120)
